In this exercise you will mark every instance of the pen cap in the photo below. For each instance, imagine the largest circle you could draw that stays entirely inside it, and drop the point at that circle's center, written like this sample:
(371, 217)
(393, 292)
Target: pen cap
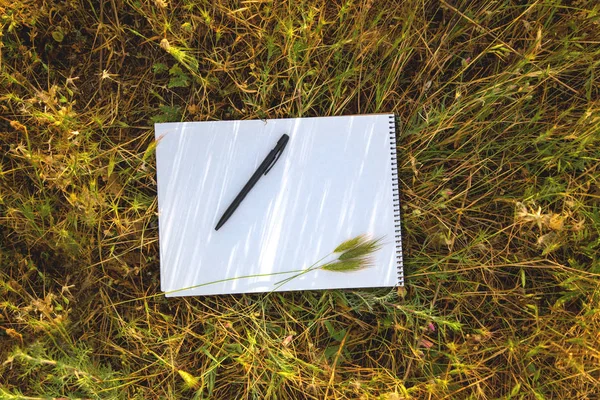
(283, 140)
(281, 143)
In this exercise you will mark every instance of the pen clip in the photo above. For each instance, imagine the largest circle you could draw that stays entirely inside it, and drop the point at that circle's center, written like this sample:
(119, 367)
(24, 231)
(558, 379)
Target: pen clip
(274, 161)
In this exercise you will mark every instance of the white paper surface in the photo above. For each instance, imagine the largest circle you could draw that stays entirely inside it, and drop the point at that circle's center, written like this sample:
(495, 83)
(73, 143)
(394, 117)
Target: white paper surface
(332, 183)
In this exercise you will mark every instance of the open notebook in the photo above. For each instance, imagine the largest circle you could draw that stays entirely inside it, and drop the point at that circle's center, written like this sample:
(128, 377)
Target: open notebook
(335, 180)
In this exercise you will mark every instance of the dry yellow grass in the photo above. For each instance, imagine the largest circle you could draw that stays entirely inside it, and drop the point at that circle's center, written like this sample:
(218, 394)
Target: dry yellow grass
(499, 112)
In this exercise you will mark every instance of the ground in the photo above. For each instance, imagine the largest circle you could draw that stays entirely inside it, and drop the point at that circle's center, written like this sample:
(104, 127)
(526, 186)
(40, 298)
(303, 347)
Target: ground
(498, 105)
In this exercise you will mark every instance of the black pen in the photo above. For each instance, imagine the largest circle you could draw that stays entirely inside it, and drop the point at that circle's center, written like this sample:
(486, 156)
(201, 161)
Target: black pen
(263, 169)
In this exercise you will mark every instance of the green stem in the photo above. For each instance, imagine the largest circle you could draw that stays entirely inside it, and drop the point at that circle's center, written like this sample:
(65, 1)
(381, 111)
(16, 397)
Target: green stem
(232, 279)
(302, 272)
(299, 272)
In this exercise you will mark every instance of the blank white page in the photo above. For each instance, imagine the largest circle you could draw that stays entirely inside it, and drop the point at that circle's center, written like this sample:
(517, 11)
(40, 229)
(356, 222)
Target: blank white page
(334, 181)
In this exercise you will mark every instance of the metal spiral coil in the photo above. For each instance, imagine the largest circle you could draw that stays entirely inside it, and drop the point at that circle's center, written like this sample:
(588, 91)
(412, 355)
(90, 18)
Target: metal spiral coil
(396, 196)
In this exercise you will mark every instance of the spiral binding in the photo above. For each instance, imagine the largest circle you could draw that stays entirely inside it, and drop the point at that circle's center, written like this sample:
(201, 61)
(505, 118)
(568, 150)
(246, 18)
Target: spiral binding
(396, 196)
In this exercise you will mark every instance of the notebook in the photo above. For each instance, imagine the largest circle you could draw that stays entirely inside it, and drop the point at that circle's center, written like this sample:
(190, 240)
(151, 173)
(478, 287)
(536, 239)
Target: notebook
(335, 180)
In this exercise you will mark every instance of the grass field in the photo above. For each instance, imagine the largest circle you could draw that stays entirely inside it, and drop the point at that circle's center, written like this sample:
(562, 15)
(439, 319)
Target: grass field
(499, 156)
